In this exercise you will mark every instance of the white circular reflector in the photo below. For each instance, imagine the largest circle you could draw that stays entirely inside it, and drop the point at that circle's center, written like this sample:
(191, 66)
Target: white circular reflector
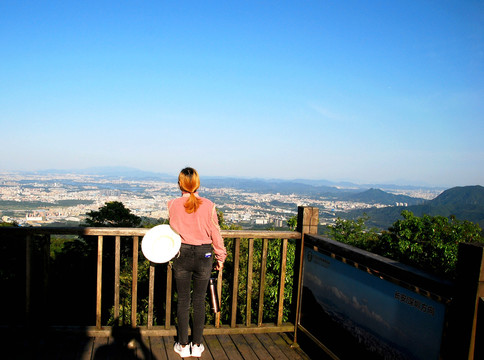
(160, 244)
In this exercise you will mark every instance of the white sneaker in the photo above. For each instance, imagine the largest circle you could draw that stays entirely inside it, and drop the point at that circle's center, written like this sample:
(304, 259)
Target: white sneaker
(182, 350)
(197, 349)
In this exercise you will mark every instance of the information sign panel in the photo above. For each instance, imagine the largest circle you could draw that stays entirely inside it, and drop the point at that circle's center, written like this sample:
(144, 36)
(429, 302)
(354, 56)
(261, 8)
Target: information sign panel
(355, 313)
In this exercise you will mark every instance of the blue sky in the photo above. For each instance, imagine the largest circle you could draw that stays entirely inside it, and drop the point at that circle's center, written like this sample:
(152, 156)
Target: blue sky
(365, 91)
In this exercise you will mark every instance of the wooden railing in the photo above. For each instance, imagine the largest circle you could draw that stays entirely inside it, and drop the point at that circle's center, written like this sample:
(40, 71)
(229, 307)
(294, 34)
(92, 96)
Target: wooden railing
(119, 235)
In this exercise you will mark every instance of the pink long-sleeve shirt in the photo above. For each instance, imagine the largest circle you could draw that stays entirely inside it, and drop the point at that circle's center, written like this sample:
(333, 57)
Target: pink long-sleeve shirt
(199, 227)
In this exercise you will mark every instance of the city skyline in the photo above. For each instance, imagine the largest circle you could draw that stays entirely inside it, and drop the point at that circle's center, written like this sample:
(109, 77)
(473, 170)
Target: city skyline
(380, 92)
(46, 198)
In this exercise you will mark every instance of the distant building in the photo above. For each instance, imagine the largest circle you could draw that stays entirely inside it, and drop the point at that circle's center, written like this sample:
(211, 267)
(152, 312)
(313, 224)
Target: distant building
(35, 217)
(260, 221)
(279, 223)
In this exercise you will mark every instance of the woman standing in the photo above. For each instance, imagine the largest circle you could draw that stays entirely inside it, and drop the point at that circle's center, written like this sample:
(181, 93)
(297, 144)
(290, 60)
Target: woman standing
(195, 219)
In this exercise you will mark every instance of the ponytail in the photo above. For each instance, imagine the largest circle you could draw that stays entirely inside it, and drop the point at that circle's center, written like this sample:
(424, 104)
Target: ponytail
(189, 181)
(192, 204)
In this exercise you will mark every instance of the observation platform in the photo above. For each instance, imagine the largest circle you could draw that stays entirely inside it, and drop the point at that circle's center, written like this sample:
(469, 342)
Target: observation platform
(107, 302)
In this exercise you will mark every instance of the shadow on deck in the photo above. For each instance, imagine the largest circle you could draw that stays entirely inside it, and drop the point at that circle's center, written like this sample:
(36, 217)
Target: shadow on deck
(19, 345)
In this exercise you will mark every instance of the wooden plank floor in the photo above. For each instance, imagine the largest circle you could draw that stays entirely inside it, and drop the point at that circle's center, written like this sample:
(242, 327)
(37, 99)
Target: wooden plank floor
(217, 347)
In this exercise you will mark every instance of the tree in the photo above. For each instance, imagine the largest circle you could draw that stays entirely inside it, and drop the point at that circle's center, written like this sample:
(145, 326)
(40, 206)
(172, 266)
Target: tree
(292, 222)
(8, 224)
(428, 242)
(75, 261)
(112, 214)
(355, 233)
(115, 214)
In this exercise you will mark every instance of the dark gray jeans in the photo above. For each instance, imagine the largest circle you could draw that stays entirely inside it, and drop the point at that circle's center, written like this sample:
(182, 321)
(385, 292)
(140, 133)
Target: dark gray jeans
(194, 263)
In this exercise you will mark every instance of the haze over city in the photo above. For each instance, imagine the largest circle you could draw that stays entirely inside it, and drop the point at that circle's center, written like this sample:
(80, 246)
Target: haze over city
(368, 92)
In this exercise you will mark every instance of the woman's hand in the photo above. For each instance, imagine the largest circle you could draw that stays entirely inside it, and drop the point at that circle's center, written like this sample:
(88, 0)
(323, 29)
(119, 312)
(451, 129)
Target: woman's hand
(219, 266)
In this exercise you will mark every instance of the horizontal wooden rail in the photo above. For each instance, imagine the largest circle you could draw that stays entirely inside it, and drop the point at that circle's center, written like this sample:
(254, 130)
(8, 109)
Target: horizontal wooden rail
(113, 231)
(171, 331)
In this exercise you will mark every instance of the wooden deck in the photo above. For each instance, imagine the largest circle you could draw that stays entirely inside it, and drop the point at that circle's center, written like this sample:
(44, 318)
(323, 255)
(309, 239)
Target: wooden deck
(218, 347)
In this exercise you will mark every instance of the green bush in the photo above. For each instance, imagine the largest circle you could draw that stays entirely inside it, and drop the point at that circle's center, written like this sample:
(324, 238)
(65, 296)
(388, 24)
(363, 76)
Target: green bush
(428, 242)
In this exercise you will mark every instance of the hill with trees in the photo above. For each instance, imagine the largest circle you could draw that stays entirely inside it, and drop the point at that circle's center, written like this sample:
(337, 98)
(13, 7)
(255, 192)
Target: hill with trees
(464, 203)
(377, 196)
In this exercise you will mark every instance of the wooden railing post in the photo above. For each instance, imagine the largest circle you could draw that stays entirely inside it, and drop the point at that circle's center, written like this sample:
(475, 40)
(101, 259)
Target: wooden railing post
(44, 281)
(250, 269)
(479, 338)
(28, 278)
(37, 252)
(307, 220)
(151, 295)
(235, 284)
(117, 271)
(99, 280)
(169, 291)
(262, 283)
(463, 313)
(282, 283)
(219, 293)
(134, 283)
(307, 223)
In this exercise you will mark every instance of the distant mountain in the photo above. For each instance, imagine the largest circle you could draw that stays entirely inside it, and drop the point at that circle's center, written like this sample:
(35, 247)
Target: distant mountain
(457, 197)
(297, 186)
(352, 185)
(273, 186)
(465, 203)
(114, 172)
(345, 184)
(377, 196)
